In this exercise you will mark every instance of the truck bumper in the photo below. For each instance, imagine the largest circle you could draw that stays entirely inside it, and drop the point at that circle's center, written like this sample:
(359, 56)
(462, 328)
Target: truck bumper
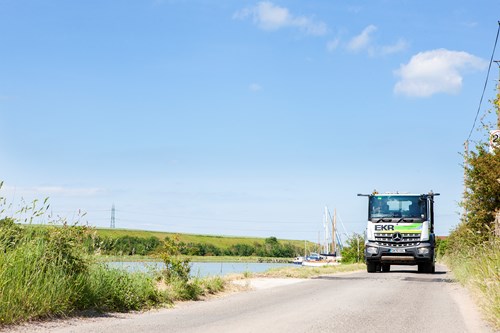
(422, 253)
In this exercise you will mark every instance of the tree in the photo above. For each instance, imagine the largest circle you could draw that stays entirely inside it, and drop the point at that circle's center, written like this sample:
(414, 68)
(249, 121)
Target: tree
(482, 198)
(354, 249)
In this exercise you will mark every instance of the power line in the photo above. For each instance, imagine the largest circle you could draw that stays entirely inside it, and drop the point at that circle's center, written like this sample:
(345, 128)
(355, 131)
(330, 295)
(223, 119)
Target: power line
(215, 219)
(228, 220)
(485, 83)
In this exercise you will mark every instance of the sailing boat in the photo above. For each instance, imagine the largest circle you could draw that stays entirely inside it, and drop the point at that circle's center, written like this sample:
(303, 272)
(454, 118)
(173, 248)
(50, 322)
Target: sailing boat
(327, 258)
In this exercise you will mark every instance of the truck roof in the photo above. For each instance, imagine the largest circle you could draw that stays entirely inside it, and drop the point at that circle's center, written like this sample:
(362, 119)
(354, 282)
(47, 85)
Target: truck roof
(398, 194)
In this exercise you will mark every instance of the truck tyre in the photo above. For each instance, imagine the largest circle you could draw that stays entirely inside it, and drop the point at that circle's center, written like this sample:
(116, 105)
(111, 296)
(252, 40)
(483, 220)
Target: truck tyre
(426, 268)
(386, 268)
(371, 267)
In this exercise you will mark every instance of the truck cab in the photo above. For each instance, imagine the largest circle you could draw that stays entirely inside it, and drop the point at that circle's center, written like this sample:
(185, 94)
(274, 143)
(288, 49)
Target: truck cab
(400, 231)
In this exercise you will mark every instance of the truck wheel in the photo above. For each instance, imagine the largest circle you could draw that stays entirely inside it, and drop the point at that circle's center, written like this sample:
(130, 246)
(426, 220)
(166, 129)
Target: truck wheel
(371, 267)
(386, 268)
(426, 268)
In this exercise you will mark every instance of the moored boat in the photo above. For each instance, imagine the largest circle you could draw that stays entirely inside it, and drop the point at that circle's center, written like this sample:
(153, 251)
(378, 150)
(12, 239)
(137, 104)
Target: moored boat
(298, 260)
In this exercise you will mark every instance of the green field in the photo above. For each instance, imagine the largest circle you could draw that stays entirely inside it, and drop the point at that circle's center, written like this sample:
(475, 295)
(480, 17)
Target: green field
(222, 242)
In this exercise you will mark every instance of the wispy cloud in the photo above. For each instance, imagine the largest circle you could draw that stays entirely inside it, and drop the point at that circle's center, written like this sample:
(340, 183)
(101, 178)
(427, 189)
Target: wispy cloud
(363, 40)
(6, 97)
(255, 87)
(332, 45)
(399, 46)
(44, 191)
(436, 71)
(268, 16)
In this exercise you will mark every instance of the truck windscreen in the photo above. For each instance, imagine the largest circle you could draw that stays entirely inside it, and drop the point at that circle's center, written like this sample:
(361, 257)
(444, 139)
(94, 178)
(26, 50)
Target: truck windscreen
(383, 206)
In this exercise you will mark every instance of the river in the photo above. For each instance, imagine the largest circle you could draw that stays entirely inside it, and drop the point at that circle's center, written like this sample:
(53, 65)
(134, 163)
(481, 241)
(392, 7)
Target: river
(201, 269)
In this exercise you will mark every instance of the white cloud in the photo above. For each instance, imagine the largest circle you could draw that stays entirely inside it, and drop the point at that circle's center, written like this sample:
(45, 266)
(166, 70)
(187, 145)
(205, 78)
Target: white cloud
(268, 16)
(332, 44)
(255, 87)
(401, 45)
(436, 71)
(363, 40)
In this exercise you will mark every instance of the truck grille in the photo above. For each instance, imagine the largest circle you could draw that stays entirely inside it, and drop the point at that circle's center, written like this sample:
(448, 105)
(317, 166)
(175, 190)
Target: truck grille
(397, 239)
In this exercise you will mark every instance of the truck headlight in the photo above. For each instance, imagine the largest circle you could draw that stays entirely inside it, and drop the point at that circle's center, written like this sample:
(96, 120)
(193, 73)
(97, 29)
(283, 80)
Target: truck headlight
(423, 250)
(371, 250)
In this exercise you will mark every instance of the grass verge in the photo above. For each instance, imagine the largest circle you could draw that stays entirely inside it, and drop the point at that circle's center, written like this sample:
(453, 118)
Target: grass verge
(46, 273)
(478, 268)
(306, 272)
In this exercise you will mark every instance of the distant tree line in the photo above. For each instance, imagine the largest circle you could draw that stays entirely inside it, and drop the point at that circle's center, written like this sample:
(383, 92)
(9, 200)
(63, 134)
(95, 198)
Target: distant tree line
(130, 245)
(125, 245)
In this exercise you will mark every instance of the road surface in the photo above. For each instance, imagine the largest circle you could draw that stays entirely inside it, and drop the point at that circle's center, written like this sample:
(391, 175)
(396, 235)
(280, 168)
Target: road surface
(398, 301)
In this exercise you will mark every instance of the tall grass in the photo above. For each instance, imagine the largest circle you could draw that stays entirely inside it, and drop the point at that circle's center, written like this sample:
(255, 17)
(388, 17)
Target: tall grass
(478, 267)
(46, 272)
(108, 289)
(41, 274)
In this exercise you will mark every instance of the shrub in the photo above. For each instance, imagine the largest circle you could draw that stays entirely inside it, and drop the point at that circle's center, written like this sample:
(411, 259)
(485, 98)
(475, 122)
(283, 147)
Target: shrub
(354, 249)
(176, 267)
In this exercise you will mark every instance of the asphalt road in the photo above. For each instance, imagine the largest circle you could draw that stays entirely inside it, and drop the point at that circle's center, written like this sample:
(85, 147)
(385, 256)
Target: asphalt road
(398, 301)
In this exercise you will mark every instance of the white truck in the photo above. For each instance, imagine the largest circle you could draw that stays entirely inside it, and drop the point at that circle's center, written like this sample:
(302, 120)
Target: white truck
(400, 231)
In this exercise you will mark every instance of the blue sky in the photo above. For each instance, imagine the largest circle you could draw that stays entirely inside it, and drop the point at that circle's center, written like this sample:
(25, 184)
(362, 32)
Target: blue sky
(239, 117)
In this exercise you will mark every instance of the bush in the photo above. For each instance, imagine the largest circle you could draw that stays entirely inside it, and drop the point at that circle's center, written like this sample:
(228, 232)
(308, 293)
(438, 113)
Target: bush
(354, 249)
(176, 267)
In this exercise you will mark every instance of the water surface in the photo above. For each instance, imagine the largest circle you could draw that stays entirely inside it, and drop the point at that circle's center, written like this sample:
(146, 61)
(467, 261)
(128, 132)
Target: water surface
(201, 269)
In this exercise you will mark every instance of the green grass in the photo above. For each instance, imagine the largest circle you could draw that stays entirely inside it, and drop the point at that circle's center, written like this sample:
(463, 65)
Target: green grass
(223, 242)
(45, 273)
(478, 268)
(309, 272)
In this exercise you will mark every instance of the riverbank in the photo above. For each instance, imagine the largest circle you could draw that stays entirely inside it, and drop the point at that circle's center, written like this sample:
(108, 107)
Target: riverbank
(225, 259)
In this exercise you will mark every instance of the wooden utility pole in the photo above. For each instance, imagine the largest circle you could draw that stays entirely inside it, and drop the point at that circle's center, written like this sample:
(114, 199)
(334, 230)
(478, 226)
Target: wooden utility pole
(497, 99)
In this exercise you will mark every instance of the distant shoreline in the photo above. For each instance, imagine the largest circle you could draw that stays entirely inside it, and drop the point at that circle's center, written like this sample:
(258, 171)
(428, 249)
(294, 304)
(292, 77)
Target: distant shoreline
(249, 259)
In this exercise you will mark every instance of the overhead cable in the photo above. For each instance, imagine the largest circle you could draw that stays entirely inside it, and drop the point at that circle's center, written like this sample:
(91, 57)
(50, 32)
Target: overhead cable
(485, 83)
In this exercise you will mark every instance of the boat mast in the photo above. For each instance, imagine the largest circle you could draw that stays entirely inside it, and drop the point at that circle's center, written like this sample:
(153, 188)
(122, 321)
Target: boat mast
(326, 248)
(334, 226)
